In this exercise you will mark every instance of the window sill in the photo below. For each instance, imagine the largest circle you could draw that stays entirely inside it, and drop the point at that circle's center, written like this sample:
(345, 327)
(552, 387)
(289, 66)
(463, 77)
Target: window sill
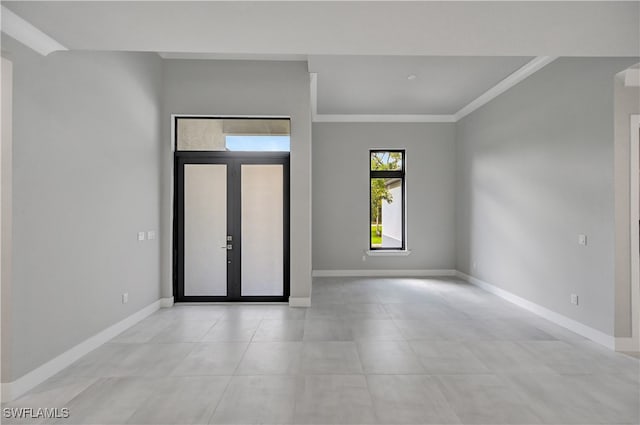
(388, 252)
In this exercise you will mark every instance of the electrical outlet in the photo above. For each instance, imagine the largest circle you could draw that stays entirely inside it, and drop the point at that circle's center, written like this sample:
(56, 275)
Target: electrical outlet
(475, 266)
(141, 236)
(151, 235)
(582, 240)
(125, 298)
(574, 299)
(364, 258)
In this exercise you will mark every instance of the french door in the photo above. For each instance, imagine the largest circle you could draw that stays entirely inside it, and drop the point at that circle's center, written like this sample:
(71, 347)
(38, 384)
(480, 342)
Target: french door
(232, 235)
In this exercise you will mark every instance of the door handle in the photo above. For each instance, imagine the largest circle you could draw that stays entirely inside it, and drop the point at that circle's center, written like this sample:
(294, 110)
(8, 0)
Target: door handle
(229, 247)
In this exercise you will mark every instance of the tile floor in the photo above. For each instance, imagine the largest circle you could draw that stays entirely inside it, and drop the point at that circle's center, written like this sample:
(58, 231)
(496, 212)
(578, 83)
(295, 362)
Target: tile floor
(405, 351)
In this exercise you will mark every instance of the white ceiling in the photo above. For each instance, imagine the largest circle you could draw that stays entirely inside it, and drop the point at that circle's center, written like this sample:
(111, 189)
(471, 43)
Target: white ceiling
(434, 28)
(379, 84)
(361, 51)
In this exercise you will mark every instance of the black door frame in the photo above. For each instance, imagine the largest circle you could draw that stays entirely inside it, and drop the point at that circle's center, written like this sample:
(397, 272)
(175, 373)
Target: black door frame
(233, 160)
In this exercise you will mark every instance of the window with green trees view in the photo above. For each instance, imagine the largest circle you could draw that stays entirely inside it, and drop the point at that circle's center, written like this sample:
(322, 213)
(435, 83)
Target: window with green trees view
(386, 195)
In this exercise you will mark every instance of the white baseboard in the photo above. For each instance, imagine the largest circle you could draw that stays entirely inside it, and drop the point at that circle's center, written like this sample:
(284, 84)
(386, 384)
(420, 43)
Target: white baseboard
(166, 302)
(628, 344)
(299, 301)
(574, 326)
(383, 273)
(13, 390)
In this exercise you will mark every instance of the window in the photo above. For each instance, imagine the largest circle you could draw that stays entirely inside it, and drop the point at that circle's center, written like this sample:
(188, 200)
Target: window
(386, 196)
(232, 134)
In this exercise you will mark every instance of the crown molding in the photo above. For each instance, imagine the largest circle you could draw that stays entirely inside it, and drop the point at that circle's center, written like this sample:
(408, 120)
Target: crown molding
(16, 27)
(401, 118)
(233, 56)
(524, 72)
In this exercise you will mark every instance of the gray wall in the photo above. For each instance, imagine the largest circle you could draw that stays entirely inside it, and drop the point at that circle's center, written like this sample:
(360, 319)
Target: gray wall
(86, 161)
(341, 194)
(535, 169)
(627, 102)
(203, 87)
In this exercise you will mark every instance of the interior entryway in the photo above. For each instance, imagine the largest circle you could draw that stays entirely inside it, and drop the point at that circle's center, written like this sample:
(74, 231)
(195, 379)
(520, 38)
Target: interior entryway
(232, 212)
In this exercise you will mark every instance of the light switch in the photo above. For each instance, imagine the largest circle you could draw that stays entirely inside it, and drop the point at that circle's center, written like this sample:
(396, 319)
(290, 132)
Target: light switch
(574, 299)
(582, 239)
(151, 235)
(140, 236)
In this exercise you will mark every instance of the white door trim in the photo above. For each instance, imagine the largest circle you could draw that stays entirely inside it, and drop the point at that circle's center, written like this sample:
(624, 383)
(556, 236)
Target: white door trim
(6, 172)
(634, 171)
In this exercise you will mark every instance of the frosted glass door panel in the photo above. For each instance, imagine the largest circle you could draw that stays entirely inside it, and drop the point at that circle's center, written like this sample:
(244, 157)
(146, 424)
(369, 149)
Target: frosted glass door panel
(262, 238)
(205, 229)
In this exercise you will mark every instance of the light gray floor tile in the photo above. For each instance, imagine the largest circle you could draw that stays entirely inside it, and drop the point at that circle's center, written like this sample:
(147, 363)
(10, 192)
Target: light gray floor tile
(284, 312)
(447, 357)
(206, 313)
(464, 330)
(153, 359)
(506, 357)
(374, 330)
(486, 307)
(320, 298)
(399, 295)
(388, 357)
(109, 401)
(271, 358)
(115, 359)
(429, 311)
(230, 330)
(246, 312)
(181, 400)
(257, 399)
(450, 287)
(617, 394)
(363, 310)
(435, 351)
(324, 311)
(558, 332)
(360, 294)
(143, 331)
(214, 358)
(327, 330)
(184, 331)
(53, 393)
(513, 329)
(486, 399)
(101, 362)
(580, 399)
(411, 399)
(333, 399)
(607, 361)
(330, 358)
(561, 356)
(420, 330)
(279, 330)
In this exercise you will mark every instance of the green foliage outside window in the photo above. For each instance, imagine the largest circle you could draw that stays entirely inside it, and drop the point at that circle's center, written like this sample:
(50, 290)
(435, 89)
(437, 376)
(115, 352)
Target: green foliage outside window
(382, 161)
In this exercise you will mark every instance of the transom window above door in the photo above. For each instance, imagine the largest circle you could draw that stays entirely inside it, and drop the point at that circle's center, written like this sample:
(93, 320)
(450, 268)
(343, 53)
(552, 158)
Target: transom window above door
(233, 134)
